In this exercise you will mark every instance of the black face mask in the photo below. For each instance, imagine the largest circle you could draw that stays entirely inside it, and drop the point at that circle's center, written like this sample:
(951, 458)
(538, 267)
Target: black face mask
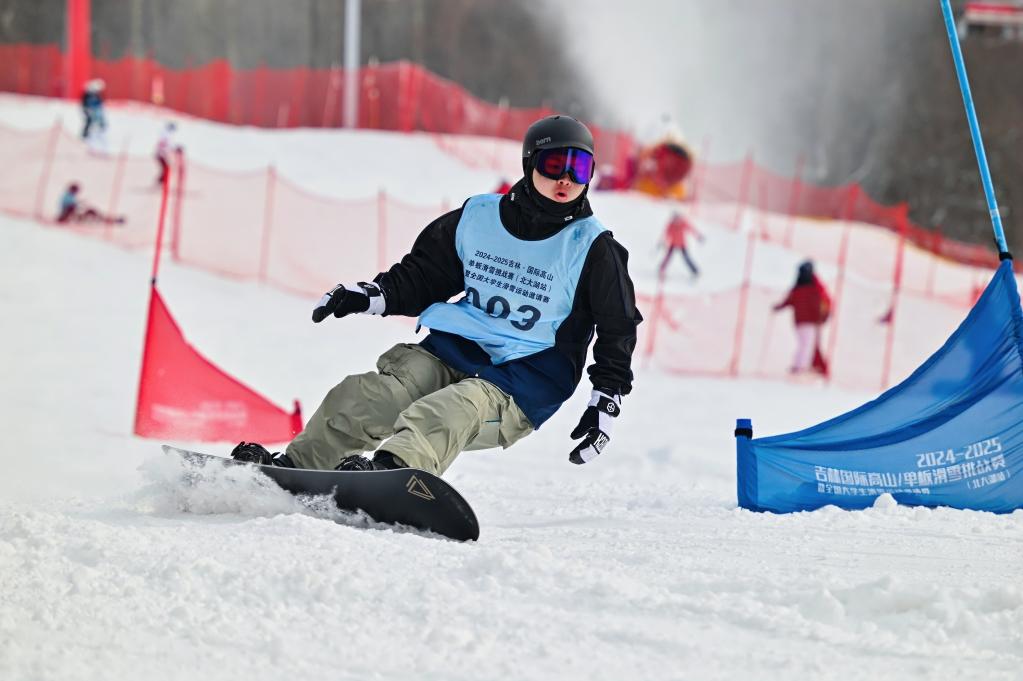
(549, 206)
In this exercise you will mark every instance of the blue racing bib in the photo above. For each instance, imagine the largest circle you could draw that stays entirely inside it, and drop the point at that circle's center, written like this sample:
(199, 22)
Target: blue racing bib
(517, 293)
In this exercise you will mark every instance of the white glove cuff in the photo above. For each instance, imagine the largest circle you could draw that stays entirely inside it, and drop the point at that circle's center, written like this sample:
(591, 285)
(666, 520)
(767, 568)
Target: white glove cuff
(595, 396)
(608, 407)
(377, 302)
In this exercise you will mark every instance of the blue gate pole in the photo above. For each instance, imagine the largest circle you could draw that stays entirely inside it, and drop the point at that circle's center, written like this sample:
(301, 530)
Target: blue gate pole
(978, 142)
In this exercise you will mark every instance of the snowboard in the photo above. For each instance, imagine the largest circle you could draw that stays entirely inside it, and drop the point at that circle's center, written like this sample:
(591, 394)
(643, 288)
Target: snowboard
(405, 496)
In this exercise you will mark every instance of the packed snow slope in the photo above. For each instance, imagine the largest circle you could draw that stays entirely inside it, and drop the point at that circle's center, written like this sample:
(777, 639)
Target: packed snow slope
(636, 565)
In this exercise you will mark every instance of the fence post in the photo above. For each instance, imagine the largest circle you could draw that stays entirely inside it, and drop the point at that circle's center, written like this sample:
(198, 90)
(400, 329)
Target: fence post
(936, 251)
(333, 86)
(404, 96)
(896, 290)
(744, 183)
(762, 208)
(699, 172)
(381, 230)
(843, 252)
(655, 322)
(283, 114)
(44, 176)
(115, 190)
(268, 219)
(179, 200)
(740, 320)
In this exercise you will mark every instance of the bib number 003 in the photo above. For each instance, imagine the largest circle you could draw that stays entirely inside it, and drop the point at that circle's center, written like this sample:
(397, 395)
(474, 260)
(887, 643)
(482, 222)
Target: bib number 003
(499, 307)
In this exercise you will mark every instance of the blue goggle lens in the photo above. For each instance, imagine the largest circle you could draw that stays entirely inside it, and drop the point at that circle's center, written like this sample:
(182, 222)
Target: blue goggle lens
(554, 163)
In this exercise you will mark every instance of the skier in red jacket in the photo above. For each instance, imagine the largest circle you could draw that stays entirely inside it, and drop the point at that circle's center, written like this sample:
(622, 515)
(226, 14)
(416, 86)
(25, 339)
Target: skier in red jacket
(675, 239)
(811, 307)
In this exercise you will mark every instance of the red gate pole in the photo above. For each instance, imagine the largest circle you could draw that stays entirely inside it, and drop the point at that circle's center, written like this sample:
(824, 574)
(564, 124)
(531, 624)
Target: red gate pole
(160, 222)
(44, 176)
(268, 218)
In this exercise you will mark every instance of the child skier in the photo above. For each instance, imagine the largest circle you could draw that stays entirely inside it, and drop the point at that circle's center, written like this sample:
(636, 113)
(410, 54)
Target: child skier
(165, 146)
(811, 307)
(675, 239)
(539, 275)
(94, 115)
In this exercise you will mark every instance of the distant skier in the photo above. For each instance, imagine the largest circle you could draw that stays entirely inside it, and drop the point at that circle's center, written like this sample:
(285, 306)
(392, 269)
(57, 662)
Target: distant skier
(94, 114)
(811, 307)
(164, 148)
(675, 235)
(73, 210)
(538, 274)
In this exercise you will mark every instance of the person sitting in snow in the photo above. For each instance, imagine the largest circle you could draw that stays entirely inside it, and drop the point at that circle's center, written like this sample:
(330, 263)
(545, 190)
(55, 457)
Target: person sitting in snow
(811, 307)
(538, 275)
(72, 209)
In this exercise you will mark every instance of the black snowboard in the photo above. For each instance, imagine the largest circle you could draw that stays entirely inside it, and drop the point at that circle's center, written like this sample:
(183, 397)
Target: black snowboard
(405, 496)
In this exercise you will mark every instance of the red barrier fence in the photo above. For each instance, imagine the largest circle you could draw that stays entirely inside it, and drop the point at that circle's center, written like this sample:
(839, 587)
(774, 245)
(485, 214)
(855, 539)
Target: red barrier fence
(402, 96)
(746, 183)
(399, 96)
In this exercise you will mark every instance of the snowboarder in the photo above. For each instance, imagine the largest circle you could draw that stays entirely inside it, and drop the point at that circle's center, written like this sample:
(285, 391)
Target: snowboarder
(539, 276)
(675, 239)
(73, 210)
(811, 307)
(164, 147)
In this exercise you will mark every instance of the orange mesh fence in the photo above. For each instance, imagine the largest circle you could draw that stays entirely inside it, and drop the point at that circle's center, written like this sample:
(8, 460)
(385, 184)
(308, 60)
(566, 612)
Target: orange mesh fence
(404, 96)
(24, 172)
(32, 69)
(400, 224)
(222, 219)
(314, 242)
(257, 225)
(396, 96)
(736, 333)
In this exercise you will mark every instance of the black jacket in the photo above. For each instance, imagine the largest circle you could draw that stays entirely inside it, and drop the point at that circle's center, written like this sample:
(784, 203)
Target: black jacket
(605, 302)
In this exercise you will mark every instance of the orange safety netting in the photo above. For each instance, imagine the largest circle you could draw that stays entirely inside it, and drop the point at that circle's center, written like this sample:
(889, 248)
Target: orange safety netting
(260, 226)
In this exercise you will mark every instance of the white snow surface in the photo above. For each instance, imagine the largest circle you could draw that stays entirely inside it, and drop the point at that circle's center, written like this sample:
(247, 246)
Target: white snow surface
(637, 565)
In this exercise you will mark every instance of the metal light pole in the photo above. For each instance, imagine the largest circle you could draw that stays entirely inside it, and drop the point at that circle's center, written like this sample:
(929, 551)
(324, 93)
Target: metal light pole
(350, 114)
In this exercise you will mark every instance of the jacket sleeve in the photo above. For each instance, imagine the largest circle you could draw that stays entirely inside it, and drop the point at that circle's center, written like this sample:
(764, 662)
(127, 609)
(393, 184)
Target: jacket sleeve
(612, 302)
(431, 273)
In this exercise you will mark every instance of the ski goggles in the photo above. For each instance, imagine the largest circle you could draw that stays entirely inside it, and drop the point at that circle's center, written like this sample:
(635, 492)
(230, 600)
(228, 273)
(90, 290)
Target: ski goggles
(554, 163)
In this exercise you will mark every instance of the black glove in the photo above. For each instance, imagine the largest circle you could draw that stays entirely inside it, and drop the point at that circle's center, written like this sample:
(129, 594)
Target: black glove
(595, 425)
(345, 300)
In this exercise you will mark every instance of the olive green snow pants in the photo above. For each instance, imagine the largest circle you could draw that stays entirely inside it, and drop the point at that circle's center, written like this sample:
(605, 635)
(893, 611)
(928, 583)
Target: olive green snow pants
(415, 407)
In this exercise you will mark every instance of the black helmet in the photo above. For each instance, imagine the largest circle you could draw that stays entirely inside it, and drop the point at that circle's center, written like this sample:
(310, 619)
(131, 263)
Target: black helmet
(554, 132)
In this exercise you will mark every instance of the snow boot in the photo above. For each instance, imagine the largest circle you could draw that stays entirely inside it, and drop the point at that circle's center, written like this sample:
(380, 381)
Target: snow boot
(382, 461)
(252, 452)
